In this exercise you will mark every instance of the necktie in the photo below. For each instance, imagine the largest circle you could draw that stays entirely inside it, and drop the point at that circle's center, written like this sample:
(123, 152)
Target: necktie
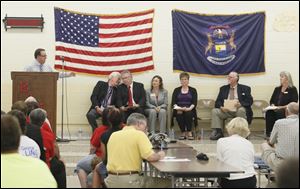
(41, 67)
(231, 94)
(130, 103)
(107, 97)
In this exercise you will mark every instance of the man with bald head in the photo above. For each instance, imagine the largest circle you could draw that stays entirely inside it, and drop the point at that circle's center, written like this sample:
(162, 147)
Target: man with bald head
(243, 101)
(285, 135)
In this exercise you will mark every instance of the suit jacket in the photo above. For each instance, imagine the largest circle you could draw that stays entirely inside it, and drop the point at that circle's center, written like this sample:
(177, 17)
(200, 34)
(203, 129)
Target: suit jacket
(194, 101)
(99, 93)
(162, 99)
(290, 95)
(244, 95)
(138, 91)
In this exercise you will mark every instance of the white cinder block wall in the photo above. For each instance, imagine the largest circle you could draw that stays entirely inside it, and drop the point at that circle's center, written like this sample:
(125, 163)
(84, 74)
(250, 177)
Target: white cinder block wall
(18, 45)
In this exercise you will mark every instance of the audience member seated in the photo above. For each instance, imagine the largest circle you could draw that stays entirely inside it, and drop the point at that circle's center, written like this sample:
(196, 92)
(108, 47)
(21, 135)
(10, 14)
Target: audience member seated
(157, 104)
(20, 105)
(282, 95)
(100, 173)
(84, 166)
(32, 104)
(57, 167)
(131, 96)
(184, 102)
(126, 149)
(32, 131)
(243, 101)
(104, 95)
(238, 152)
(287, 174)
(284, 139)
(19, 171)
(28, 147)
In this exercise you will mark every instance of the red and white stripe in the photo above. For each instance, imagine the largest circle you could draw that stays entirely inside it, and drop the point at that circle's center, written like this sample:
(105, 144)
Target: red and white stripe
(125, 42)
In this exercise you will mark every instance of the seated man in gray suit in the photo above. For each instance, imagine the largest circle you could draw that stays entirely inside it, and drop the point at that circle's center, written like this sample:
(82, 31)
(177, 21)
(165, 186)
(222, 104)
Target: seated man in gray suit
(157, 104)
(232, 91)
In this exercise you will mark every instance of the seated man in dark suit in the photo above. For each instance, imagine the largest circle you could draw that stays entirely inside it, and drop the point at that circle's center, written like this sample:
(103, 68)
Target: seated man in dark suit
(232, 91)
(104, 95)
(131, 96)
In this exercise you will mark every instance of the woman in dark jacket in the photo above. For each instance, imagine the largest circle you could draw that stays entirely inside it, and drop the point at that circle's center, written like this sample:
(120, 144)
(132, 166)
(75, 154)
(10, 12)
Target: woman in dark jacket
(184, 102)
(281, 97)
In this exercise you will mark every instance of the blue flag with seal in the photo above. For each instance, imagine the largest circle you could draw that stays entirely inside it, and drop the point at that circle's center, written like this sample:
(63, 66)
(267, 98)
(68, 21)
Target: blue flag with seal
(218, 44)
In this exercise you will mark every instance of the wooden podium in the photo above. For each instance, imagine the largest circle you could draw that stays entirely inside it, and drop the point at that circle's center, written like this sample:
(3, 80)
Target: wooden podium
(40, 85)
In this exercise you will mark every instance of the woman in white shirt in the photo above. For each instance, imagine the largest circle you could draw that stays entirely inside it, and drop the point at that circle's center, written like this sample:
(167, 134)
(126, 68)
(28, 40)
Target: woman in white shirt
(238, 152)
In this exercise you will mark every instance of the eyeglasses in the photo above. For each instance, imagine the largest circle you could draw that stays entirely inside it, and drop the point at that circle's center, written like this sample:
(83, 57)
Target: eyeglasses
(43, 55)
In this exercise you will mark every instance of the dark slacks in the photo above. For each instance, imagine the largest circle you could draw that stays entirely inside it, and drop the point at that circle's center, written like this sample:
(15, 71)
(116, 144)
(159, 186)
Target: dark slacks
(127, 113)
(238, 183)
(58, 170)
(92, 116)
(271, 117)
(185, 120)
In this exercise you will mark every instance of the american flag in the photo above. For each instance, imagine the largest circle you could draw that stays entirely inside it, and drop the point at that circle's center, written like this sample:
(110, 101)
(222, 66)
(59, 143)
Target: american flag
(101, 44)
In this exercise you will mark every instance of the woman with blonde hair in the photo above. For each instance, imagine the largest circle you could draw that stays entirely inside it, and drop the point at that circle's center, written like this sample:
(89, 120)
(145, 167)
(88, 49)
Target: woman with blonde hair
(238, 152)
(281, 97)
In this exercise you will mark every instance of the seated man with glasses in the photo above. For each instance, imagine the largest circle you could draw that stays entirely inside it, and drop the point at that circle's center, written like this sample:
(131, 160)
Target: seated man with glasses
(126, 150)
(242, 98)
(39, 64)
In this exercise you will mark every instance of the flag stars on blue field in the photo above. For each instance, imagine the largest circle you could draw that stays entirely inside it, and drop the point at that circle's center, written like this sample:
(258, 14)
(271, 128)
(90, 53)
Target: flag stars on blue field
(76, 29)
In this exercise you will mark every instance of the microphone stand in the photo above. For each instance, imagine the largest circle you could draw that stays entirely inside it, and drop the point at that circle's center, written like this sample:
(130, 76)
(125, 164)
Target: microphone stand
(62, 103)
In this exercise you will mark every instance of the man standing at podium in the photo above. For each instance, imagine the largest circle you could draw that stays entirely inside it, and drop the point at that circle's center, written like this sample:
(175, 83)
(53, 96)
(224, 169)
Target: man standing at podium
(39, 64)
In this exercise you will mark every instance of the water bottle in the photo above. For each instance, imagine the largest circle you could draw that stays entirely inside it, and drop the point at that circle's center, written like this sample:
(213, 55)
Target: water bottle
(201, 134)
(172, 134)
(80, 134)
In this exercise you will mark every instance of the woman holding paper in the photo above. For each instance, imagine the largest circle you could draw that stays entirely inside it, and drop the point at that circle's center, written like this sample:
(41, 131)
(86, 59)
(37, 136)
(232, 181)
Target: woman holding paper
(281, 97)
(184, 102)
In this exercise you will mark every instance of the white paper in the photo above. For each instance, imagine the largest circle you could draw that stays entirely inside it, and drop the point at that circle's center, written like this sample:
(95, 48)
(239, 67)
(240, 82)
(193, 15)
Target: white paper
(175, 160)
(270, 108)
(230, 105)
(177, 107)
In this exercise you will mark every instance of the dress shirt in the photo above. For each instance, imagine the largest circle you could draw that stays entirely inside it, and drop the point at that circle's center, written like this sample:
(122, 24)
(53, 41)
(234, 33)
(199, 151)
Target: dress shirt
(285, 135)
(235, 93)
(35, 67)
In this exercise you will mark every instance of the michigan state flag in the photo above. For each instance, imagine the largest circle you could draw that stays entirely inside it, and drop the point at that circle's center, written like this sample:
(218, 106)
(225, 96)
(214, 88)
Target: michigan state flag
(217, 45)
